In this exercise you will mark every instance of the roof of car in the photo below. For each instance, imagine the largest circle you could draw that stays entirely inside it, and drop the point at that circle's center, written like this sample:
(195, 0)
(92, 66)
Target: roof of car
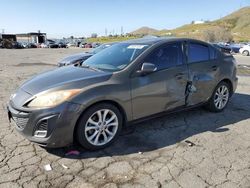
(154, 40)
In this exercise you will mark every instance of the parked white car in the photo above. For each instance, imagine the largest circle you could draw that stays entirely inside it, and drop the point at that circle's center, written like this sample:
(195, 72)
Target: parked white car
(43, 45)
(71, 45)
(245, 50)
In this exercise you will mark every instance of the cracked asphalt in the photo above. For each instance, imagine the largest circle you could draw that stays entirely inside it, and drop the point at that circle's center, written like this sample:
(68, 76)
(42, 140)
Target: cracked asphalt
(190, 149)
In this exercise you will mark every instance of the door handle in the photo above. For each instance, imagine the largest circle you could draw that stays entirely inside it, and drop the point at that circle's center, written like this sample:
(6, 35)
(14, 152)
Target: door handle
(179, 76)
(214, 68)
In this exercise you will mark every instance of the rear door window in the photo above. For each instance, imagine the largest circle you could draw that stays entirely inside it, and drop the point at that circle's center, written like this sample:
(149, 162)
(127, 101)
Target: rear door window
(197, 53)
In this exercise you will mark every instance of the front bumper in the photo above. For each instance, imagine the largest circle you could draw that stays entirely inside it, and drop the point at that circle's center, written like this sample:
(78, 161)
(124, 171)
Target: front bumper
(53, 127)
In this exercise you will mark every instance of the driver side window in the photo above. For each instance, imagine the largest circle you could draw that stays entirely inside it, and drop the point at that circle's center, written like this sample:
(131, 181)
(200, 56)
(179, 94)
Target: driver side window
(166, 56)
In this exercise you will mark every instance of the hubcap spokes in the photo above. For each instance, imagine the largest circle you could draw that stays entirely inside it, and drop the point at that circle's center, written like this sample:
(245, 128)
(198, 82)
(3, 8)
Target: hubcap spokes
(221, 97)
(101, 127)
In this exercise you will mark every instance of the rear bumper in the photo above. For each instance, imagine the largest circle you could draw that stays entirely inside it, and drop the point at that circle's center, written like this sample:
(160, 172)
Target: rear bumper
(50, 128)
(235, 84)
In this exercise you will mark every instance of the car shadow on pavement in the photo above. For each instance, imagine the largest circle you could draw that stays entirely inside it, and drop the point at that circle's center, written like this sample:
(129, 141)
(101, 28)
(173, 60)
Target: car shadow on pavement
(169, 130)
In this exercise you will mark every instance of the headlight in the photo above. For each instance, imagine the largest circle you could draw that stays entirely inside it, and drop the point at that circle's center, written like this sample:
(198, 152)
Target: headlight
(52, 99)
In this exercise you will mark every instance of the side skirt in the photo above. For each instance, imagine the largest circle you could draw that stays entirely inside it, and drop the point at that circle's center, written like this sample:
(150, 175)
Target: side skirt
(178, 109)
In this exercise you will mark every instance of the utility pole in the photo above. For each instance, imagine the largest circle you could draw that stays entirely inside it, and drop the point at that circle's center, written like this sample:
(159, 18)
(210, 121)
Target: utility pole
(121, 30)
(106, 32)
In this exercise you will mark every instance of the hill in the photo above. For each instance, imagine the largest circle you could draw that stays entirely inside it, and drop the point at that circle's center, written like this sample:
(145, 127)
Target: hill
(236, 23)
(144, 31)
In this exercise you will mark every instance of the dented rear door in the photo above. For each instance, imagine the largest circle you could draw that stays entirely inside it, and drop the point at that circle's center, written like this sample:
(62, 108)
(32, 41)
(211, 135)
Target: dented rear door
(203, 73)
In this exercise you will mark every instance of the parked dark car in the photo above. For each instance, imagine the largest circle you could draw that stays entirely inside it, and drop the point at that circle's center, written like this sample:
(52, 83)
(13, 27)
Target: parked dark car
(78, 44)
(53, 45)
(17, 45)
(88, 45)
(31, 45)
(222, 48)
(61, 45)
(80, 57)
(128, 82)
(235, 48)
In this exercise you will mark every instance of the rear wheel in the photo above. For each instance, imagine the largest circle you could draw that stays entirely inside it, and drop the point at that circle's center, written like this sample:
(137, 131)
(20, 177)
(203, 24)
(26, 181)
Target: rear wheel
(245, 53)
(99, 126)
(220, 97)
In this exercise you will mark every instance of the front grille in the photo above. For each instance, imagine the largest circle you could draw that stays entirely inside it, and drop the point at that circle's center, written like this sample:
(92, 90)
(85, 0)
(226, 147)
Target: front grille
(20, 122)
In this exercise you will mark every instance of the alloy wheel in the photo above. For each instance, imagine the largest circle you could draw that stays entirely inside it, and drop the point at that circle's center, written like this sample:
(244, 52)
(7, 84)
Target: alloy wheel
(101, 127)
(221, 97)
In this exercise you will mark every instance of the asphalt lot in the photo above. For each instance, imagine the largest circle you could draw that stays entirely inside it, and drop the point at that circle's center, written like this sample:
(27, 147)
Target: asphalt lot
(190, 149)
(244, 60)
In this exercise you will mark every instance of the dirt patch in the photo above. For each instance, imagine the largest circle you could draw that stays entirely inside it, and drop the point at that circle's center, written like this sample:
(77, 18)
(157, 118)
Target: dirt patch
(243, 70)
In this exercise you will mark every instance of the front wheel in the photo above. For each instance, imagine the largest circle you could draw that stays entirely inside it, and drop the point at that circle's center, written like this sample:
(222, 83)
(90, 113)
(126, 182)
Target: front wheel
(99, 126)
(220, 98)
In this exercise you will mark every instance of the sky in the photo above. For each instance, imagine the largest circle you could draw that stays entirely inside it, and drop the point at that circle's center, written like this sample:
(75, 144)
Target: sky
(81, 18)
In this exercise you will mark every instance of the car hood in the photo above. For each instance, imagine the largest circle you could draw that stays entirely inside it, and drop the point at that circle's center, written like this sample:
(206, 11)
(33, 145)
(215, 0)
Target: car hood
(64, 78)
(76, 57)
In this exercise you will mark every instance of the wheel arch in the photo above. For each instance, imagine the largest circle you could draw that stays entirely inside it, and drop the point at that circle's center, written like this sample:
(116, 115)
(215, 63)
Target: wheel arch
(112, 102)
(229, 82)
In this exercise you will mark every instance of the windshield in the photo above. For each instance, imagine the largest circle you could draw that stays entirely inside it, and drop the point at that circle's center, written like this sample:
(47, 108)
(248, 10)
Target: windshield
(100, 48)
(116, 57)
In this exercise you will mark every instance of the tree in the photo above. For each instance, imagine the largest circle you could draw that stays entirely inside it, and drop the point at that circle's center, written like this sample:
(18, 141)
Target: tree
(219, 34)
(209, 36)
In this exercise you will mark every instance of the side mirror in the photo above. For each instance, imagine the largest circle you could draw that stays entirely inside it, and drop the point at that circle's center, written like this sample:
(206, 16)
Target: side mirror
(147, 68)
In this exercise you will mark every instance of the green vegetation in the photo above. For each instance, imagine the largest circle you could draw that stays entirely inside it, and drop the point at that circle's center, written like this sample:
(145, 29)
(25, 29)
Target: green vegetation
(110, 39)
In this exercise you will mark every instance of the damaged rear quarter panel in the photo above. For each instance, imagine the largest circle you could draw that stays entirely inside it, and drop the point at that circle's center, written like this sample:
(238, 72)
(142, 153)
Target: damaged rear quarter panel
(204, 79)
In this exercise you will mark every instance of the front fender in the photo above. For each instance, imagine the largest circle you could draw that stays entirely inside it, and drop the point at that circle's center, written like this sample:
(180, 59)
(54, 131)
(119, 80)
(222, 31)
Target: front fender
(116, 92)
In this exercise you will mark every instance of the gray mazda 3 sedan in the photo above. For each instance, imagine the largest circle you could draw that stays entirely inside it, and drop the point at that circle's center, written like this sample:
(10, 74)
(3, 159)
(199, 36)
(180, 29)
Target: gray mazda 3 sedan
(127, 82)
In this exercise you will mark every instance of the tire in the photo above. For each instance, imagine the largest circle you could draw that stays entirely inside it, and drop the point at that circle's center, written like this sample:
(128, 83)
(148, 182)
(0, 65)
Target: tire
(245, 53)
(214, 104)
(91, 128)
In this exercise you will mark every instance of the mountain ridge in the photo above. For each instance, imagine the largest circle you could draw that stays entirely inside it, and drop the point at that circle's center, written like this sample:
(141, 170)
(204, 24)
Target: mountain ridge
(237, 23)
